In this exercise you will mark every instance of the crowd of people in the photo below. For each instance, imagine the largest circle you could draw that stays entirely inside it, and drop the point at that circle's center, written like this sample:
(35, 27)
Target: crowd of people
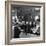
(25, 23)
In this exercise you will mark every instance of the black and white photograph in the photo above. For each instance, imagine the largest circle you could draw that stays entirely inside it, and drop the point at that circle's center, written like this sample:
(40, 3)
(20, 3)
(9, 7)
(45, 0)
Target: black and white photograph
(25, 21)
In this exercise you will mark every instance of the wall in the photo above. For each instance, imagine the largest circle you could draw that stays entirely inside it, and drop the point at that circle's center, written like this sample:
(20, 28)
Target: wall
(2, 23)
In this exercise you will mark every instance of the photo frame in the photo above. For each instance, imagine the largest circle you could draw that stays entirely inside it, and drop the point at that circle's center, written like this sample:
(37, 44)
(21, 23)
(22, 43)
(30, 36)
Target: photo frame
(26, 9)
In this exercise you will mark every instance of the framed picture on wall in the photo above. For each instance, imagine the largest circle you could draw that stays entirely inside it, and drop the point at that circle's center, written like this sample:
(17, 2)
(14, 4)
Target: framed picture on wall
(25, 22)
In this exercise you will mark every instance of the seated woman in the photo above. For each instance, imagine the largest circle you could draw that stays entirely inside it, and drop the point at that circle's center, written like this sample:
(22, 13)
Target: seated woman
(16, 32)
